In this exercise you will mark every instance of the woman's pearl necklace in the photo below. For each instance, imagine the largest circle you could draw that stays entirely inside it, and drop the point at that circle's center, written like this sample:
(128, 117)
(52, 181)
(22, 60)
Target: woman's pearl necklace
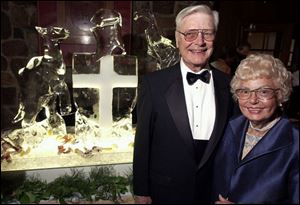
(267, 127)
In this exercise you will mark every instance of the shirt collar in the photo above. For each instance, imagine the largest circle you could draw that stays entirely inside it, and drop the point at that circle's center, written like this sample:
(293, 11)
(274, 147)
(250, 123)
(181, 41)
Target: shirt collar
(185, 69)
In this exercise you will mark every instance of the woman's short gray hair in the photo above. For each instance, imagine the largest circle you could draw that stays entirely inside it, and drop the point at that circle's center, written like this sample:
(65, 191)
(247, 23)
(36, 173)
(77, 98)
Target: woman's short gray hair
(263, 66)
(197, 9)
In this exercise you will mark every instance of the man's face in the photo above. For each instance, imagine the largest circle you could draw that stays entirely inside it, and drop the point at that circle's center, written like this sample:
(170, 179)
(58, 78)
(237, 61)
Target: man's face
(197, 52)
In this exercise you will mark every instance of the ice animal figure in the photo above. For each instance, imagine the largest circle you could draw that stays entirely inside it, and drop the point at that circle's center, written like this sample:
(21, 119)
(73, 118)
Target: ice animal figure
(42, 81)
(159, 47)
(107, 32)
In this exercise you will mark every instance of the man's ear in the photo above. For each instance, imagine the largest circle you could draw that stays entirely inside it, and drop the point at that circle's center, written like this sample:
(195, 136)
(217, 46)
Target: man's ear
(176, 39)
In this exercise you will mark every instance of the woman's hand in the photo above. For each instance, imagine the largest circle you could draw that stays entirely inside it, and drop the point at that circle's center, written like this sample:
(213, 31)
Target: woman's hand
(142, 199)
(222, 200)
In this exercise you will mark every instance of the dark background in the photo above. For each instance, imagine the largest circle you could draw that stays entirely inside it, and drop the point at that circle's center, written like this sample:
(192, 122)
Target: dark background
(238, 20)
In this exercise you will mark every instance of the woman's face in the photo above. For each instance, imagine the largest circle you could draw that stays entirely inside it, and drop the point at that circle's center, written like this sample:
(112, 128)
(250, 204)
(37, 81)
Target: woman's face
(258, 108)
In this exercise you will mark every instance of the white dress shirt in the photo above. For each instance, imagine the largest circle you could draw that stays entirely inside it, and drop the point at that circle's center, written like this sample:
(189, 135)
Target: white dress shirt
(200, 103)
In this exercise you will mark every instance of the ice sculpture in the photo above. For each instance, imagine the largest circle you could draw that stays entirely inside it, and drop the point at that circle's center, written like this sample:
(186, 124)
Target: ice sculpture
(107, 80)
(107, 31)
(42, 80)
(93, 140)
(117, 70)
(112, 73)
(42, 84)
(159, 47)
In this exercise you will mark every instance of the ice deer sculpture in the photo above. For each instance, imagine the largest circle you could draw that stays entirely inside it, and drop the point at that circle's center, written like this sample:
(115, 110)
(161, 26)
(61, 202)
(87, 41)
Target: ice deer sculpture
(42, 81)
(159, 47)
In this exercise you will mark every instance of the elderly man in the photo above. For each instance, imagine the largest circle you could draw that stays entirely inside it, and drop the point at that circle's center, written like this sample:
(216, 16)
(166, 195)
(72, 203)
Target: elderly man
(181, 115)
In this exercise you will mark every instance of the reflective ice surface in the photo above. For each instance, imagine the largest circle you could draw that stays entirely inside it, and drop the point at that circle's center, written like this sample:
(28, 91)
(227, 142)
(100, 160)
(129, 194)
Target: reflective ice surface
(103, 91)
(42, 81)
(159, 47)
(107, 31)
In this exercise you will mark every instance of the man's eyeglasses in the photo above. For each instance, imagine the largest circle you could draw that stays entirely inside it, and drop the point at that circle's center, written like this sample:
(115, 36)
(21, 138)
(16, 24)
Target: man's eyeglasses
(261, 93)
(191, 35)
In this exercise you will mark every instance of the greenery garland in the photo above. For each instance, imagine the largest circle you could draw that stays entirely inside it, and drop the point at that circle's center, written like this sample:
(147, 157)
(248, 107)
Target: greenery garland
(101, 183)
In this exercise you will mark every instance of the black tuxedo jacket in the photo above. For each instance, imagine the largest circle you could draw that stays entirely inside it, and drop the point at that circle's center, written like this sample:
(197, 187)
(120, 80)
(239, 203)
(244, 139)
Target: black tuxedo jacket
(164, 163)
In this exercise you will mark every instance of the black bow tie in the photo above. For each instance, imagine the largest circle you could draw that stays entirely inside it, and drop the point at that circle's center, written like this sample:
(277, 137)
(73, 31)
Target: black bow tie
(192, 77)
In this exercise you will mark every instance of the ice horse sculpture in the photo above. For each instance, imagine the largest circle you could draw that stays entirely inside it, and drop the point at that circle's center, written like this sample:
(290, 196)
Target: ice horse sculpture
(159, 47)
(107, 32)
(42, 81)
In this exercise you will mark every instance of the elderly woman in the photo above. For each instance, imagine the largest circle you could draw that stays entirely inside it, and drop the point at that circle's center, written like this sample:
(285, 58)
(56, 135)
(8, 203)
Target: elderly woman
(258, 158)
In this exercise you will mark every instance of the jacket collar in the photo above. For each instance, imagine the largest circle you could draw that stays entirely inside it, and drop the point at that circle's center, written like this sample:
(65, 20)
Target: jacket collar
(176, 101)
(270, 142)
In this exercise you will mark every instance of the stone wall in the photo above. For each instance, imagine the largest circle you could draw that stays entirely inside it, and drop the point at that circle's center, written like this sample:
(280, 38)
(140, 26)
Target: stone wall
(19, 42)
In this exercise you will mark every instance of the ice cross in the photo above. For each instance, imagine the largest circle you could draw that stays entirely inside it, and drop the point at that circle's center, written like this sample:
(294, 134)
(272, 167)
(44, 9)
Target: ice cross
(106, 81)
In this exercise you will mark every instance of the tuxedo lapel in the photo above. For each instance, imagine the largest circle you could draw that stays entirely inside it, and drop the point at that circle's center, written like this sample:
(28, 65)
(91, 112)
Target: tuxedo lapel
(176, 102)
(221, 100)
